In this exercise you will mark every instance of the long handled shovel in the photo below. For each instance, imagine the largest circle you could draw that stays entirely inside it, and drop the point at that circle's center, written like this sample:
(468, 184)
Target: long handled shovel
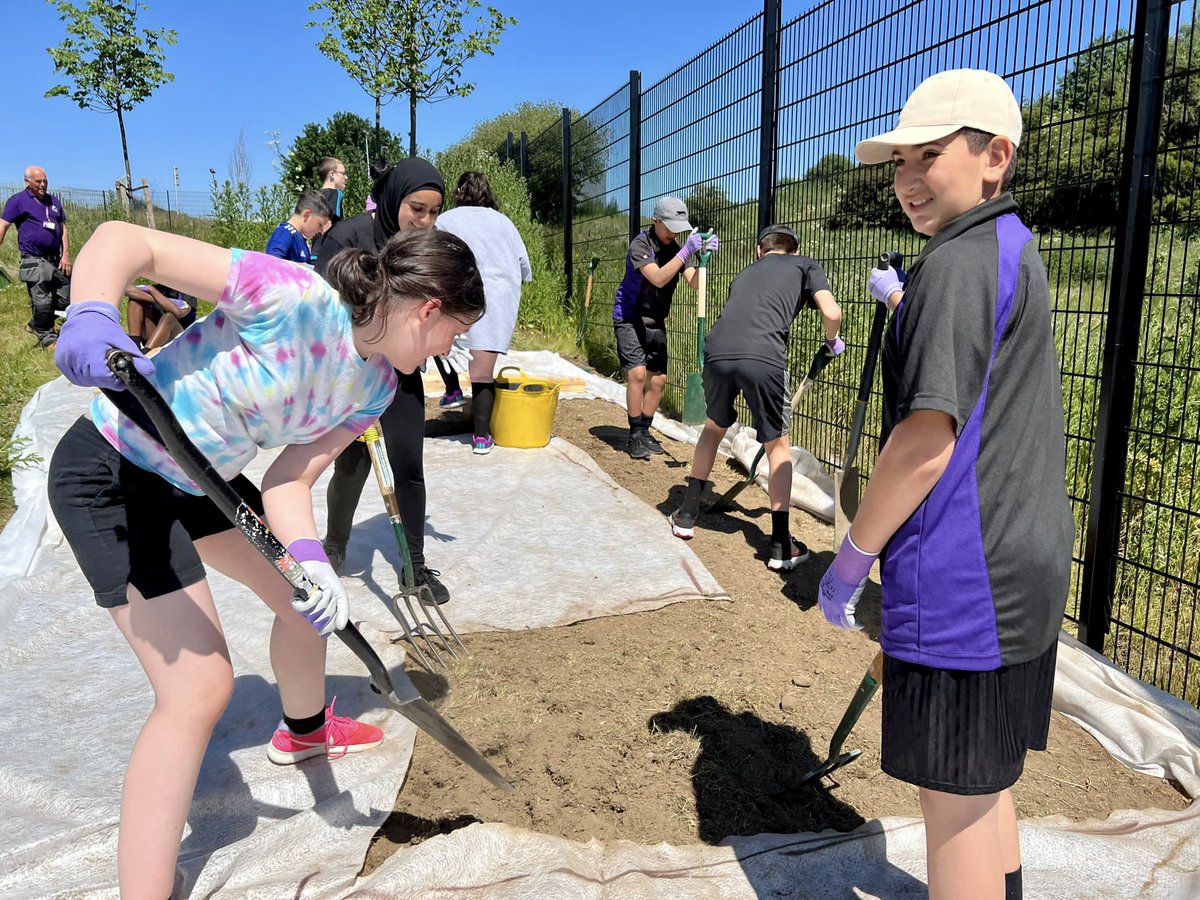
(199, 469)
(695, 408)
(846, 482)
(846, 506)
(819, 361)
(587, 301)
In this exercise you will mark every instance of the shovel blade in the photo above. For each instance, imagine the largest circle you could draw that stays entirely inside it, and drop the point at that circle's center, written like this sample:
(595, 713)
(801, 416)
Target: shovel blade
(846, 486)
(695, 408)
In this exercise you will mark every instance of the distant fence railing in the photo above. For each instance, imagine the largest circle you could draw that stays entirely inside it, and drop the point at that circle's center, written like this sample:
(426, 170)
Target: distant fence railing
(760, 127)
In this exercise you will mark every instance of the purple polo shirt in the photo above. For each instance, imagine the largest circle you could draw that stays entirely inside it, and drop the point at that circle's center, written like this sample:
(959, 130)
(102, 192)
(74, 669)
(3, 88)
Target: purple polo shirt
(32, 218)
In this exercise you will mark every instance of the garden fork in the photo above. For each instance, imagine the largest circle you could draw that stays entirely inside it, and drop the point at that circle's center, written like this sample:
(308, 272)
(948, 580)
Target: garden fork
(402, 603)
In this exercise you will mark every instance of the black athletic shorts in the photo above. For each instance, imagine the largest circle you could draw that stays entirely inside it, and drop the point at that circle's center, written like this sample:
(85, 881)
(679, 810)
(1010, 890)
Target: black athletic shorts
(965, 732)
(126, 525)
(642, 342)
(763, 385)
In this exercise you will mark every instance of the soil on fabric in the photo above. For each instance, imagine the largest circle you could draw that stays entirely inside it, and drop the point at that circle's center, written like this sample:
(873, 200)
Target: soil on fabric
(697, 721)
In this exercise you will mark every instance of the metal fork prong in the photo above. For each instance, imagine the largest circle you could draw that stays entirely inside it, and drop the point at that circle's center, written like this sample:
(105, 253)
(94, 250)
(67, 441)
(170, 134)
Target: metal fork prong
(425, 598)
(423, 630)
(409, 634)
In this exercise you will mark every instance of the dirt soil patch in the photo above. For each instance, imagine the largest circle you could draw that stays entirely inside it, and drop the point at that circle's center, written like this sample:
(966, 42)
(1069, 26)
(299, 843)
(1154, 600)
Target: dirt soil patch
(693, 722)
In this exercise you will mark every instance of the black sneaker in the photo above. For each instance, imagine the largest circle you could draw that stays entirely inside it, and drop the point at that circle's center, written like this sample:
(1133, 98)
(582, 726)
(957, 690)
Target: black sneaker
(652, 442)
(638, 447)
(337, 556)
(784, 560)
(683, 523)
(429, 577)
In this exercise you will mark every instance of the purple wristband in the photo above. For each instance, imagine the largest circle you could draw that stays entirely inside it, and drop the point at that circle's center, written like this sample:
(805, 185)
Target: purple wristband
(307, 550)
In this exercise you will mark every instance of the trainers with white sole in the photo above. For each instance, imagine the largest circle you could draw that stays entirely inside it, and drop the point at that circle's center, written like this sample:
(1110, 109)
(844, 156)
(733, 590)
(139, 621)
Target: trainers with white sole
(337, 737)
(784, 560)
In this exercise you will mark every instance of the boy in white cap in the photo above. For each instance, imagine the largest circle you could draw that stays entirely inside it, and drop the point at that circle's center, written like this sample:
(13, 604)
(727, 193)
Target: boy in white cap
(967, 504)
(652, 269)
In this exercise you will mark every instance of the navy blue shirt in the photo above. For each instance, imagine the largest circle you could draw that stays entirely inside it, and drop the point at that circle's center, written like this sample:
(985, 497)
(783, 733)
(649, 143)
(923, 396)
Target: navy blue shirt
(977, 577)
(287, 243)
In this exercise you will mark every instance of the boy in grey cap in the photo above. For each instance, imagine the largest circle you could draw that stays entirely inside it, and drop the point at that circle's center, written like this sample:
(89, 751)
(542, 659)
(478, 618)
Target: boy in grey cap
(652, 269)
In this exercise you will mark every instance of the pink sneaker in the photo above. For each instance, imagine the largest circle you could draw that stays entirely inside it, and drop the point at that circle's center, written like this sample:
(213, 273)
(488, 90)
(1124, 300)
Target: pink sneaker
(337, 737)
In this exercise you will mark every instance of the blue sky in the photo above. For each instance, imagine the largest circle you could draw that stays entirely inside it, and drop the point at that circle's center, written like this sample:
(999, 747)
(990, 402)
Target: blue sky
(252, 66)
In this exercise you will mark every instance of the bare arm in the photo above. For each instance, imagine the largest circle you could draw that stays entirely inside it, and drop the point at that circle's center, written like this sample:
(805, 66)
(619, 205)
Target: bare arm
(831, 313)
(287, 484)
(166, 304)
(913, 459)
(117, 253)
(65, 263)
(659, 275)
(4, 226)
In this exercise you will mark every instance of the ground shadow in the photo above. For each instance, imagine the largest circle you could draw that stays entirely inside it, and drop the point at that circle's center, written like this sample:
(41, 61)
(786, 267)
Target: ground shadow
(747, 777)
(618, 439)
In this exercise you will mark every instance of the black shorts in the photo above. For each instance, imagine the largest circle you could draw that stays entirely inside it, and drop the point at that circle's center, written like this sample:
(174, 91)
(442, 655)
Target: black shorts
(763, 385)
(965, 732)
(126, 525)
(642, 342)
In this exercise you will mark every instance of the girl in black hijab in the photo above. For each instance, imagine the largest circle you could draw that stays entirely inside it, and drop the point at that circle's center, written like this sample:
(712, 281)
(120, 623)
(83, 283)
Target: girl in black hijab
(409, 195)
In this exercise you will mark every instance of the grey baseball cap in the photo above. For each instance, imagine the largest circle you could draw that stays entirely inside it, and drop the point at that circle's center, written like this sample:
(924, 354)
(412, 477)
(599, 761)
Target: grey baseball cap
(673, 213)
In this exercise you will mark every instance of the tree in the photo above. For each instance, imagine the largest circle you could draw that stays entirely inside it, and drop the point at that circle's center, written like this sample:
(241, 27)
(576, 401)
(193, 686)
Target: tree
(830, 165)
(708, 206)
(112, 66)
(415, 48)
(345, 136)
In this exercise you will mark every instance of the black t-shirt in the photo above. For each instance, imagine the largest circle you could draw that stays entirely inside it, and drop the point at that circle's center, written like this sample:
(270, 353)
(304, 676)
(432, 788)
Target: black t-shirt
(763, 301)
(357, 231)
(637, 297)
(978, 576)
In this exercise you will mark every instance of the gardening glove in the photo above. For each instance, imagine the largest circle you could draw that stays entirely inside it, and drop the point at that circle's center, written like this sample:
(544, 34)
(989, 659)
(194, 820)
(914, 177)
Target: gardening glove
(884, 284)
(835, 346)
(459, 357)
(690, 246)
(89, 331)
(327, 608)
(713, 244)
(843, 583)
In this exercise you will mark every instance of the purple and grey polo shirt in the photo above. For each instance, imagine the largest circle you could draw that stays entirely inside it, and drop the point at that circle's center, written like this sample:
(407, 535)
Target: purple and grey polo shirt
(637, 298)
(978, 576)
(39, 223)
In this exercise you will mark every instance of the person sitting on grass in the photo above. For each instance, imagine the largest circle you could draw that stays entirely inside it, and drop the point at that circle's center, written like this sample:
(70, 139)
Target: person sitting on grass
(288, 361)
(157, 314)
(290, 239)
(652, 268)
(746, 353)
(967, 503)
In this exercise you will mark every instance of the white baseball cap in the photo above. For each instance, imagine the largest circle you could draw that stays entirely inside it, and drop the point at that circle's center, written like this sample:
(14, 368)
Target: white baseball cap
(941, 105)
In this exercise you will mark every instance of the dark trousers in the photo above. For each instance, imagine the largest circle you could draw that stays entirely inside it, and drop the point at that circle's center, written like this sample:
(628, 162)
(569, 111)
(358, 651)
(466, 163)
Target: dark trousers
(49, 290)
(403, 424)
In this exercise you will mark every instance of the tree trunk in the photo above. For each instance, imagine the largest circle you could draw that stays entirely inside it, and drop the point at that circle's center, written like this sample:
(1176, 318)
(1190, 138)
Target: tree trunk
(125, 151)
(412, 122)
(378, 142)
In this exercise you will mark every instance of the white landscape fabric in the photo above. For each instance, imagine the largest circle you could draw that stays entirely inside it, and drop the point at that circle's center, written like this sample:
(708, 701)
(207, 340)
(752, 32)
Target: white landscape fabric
(523, 539)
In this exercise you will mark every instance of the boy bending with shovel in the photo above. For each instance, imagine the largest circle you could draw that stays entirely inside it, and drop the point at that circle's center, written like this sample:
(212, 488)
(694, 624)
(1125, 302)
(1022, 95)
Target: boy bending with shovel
(746, 353)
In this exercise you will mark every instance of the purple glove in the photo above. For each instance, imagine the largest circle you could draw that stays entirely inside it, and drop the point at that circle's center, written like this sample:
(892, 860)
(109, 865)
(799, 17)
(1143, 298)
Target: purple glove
(835, 346)
(713, 244)
(884, 283)
(690, 246)
(89, 331)
(327, 608)
(843, 584)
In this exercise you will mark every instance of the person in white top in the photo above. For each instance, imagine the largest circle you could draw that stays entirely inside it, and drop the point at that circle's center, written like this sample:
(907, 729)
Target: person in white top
(504, 264)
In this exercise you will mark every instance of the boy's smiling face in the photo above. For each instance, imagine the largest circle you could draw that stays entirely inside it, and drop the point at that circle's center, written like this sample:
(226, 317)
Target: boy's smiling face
(939, 181)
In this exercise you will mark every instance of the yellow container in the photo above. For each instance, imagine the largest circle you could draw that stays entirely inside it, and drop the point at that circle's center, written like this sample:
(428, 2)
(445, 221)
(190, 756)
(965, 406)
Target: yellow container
(524, 413)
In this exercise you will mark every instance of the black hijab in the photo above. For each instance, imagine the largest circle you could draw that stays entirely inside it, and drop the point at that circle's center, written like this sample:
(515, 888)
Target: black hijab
(407, 177)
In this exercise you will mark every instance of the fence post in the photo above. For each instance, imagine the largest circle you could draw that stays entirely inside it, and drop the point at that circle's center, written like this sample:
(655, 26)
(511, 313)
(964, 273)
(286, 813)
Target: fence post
(635, 153)
(1130, 261)
(170, 218)
(149, 205)
(523, 158)
(123, 196)
(508, 148)
(567, 203)
(767, 127)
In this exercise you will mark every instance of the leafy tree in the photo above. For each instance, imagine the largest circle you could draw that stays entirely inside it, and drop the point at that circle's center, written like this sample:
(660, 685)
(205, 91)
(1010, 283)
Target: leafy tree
(830, 165)
(110, 64)
(708, 206)
(415, 48)
(868, 200)
(345, 136)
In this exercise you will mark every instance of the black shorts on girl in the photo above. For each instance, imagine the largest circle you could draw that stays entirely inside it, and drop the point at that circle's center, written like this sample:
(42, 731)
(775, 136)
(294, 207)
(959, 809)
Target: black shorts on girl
(964, 732)
(126, 525)
(764, 386)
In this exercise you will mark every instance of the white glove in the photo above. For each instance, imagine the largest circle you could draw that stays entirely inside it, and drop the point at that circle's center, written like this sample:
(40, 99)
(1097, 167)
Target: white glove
(327, 608)
(459, 357)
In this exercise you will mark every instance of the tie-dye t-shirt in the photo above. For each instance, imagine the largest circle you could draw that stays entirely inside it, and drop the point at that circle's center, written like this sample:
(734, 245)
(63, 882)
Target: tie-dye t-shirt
(274, 364)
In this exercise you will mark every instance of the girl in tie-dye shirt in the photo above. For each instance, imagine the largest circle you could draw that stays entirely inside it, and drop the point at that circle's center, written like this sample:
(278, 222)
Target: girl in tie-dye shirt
(285, 360)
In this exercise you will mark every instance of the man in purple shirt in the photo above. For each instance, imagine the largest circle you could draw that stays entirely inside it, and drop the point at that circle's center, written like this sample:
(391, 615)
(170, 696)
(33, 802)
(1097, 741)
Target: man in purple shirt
(45, 251)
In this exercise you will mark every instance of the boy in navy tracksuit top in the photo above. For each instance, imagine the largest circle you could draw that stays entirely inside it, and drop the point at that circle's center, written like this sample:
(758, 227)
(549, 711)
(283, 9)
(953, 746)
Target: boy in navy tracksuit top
(290, 239)
(967, 503)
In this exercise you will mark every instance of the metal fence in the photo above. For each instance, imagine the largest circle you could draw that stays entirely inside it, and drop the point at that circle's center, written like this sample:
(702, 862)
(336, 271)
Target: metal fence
(761, 126)
(171, 207)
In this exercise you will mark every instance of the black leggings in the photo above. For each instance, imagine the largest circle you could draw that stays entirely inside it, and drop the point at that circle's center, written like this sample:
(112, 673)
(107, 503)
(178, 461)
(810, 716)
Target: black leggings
(403, 424)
